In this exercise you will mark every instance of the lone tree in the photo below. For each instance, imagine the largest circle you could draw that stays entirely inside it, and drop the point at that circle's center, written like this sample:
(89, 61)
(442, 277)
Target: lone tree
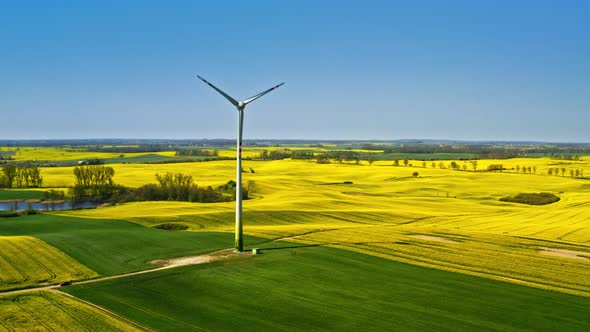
(406, 162)
(415, 174)
(474, 165)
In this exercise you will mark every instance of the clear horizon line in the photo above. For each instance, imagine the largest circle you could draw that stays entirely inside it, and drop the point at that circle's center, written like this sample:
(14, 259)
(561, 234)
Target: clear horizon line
(298, 139)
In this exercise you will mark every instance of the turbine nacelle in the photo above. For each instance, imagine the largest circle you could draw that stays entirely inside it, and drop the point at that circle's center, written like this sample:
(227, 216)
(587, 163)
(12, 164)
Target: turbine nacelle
(240, 105)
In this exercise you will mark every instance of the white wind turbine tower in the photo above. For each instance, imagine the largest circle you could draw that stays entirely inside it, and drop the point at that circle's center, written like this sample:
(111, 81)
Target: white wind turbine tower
(240, 105)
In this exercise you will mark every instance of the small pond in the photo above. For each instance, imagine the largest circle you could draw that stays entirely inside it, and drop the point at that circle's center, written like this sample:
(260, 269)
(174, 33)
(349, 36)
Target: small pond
(45, 206)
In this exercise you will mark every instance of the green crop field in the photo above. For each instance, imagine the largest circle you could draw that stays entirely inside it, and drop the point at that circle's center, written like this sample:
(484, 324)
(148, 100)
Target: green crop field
(317, 288)
(113, 246)
(47, 311)
(7, 195)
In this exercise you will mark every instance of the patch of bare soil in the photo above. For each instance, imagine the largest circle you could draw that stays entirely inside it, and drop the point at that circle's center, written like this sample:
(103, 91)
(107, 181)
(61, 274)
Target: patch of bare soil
(433, 238)
(565, 253)
(201, 259)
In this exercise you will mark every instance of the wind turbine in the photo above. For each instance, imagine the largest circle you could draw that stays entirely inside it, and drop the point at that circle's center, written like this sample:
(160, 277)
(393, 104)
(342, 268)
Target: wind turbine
(240, 105)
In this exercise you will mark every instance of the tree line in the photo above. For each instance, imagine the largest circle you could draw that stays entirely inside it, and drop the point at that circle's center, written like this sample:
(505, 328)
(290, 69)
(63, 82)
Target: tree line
(95, 183)
(7, 155)
(578, 173)
(197, 152)
(519, 169)
(284, 154)
(482, 151)
(127, 148)
(181, 187)
(21, 176)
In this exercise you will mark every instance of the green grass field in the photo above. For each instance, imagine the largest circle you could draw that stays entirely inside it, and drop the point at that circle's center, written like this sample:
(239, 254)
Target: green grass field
(6, 194)
(318, 288)
(113, 246)
(48, 311)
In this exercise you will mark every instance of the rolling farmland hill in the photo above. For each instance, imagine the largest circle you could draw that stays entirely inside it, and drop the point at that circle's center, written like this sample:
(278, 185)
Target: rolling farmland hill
(446, 219)
(347, 233)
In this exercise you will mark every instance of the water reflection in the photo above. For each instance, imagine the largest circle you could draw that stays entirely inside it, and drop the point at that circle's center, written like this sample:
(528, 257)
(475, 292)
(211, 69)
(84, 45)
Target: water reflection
(45, 206)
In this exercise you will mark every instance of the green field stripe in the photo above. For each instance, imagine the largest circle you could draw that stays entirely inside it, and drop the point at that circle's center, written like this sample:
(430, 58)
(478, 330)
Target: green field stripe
(150, 312)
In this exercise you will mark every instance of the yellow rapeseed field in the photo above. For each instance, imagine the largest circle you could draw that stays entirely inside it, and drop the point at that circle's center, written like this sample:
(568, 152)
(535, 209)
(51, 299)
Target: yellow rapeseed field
(47, 153)
(49, 311)
(28, 261)
(446, 219)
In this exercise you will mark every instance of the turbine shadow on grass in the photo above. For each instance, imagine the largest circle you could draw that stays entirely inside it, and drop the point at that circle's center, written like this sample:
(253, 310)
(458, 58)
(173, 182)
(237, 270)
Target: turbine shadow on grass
(262, 249)
(294, 246)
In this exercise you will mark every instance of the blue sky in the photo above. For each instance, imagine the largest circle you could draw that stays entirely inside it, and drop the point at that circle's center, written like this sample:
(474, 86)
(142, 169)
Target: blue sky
(477, 70)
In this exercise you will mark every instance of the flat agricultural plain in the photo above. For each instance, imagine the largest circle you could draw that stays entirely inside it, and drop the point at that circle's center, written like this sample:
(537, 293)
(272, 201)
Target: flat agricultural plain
(345, 247)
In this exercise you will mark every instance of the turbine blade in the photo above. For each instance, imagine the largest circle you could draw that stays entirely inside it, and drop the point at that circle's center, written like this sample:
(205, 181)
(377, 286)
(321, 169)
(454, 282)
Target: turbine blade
(253, 98)
(228, 97)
